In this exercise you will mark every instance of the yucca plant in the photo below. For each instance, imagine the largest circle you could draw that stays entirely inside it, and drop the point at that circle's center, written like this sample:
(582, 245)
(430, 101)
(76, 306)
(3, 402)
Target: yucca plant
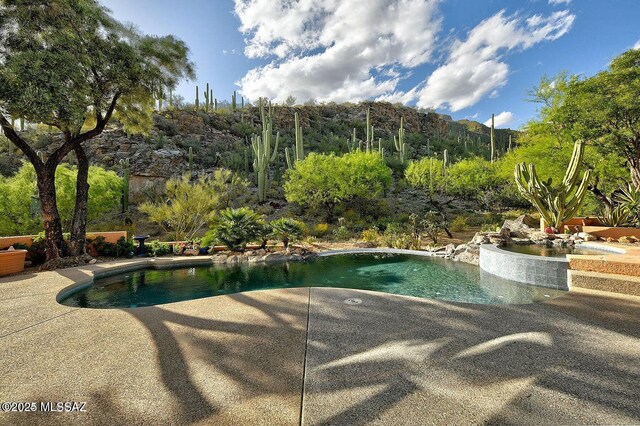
(628, 197)
(235, 228)
(287, 230)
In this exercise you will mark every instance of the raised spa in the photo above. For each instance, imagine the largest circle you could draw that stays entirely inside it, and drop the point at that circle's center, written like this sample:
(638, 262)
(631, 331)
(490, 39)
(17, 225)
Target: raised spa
(397, 274)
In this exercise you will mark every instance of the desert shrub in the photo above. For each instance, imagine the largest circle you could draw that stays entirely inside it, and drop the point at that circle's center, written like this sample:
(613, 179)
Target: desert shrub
(370, 236)
(341, 233)
(35, 252)
(320, 229)
(122, 248)
(326, 181)
(287, 230)
(159, 249)
(397, 236)
(459, 223)
(235, 228)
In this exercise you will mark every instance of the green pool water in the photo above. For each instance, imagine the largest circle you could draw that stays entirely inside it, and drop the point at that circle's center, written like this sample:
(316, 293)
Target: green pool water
(398, 274)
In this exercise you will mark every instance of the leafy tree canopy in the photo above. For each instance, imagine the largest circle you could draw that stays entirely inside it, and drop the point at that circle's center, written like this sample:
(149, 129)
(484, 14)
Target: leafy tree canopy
(323, 181)
(18, 194)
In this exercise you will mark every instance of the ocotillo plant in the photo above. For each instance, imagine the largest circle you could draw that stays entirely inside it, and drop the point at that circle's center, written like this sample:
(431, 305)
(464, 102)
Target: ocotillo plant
(400, 144)
(298, 155)
(125, 185)
(197, 99)
(493, 143)
(262, 155)
(559, 203)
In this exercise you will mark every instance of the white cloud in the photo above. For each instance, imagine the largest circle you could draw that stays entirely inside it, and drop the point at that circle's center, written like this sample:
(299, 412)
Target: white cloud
(349, 50)
(335, 50)
(636, 46)
(559, 2)
(475, 66)
(501, 120)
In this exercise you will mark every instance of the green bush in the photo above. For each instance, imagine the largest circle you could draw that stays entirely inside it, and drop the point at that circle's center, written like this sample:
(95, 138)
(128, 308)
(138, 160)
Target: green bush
(397, 236)
(122, 248)
(341, 233)
(235, 228)
(159, 249)
(287, 230)
(459, 224)
(370, 236)
(320, 229)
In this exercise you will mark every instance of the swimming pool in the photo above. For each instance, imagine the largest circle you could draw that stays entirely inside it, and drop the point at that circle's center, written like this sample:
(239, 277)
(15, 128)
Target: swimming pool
(541, 250)
(397, 274)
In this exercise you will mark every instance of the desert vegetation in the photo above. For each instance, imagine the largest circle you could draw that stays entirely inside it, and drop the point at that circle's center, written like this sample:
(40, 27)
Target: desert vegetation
(242, 171)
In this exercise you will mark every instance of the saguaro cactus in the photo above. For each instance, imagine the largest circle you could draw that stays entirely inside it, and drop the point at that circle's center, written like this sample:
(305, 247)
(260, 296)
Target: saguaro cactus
(493, 143)
(400, 144)
(207, 99)
(125, 184)
(233, 101)
(262, 155)
(555, 204)
(197, 98)
(191, 161)
(298, 154)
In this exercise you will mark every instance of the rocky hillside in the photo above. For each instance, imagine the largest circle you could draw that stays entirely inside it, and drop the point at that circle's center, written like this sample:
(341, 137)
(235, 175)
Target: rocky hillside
(222, 138)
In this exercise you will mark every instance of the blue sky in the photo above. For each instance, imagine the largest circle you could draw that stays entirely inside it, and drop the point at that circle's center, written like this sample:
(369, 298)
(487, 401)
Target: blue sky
(466, 58)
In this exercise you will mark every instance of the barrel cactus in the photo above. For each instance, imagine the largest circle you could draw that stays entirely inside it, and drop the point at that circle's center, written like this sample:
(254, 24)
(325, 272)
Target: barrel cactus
(555, 204)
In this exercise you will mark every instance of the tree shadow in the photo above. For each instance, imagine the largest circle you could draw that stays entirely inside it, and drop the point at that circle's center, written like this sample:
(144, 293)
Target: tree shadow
(518, 356)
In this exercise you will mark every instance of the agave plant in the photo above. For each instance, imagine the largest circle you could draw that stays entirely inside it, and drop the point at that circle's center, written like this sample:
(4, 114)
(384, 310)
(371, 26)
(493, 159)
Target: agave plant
(628, 198)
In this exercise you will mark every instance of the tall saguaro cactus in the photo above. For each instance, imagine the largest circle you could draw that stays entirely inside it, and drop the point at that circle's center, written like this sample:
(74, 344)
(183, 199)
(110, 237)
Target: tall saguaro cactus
(207, 99)
(262, 155)
(400, 144)
(298, 154)
(493, 143)
(197, 98)
(233, 101)
(555, 204)
(125, 185)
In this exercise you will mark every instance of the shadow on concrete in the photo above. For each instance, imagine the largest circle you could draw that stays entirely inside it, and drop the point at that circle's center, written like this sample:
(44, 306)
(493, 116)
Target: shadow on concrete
(394, 359)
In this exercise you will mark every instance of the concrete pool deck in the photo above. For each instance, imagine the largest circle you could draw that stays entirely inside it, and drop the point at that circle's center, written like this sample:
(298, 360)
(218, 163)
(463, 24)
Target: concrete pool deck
(305, 356)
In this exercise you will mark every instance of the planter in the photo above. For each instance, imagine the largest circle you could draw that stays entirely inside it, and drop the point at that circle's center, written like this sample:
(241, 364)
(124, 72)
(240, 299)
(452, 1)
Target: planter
(12, 261)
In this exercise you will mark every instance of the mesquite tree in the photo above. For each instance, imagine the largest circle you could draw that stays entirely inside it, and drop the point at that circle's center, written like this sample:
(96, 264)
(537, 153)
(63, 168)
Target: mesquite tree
(70, 65)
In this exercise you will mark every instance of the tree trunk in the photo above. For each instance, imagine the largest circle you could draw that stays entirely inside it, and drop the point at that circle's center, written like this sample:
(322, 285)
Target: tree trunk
(77, 244)
(54, 241)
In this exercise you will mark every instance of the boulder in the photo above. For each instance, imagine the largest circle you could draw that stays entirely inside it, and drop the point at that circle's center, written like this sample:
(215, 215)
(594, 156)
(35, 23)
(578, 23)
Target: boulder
(219, 258)
(587, 237)
(521, 227)
(449, 249)
(627, 239)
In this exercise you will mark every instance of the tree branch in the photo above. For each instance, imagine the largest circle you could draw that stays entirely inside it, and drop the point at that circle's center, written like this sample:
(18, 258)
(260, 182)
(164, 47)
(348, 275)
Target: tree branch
(13, 136)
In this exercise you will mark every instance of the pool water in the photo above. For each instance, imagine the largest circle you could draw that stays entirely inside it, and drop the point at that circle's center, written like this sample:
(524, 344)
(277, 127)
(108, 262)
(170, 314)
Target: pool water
(398, 274)
(540, 250)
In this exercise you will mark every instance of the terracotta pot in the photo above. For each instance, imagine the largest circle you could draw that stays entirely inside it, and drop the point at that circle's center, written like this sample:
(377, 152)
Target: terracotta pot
(12, 261)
